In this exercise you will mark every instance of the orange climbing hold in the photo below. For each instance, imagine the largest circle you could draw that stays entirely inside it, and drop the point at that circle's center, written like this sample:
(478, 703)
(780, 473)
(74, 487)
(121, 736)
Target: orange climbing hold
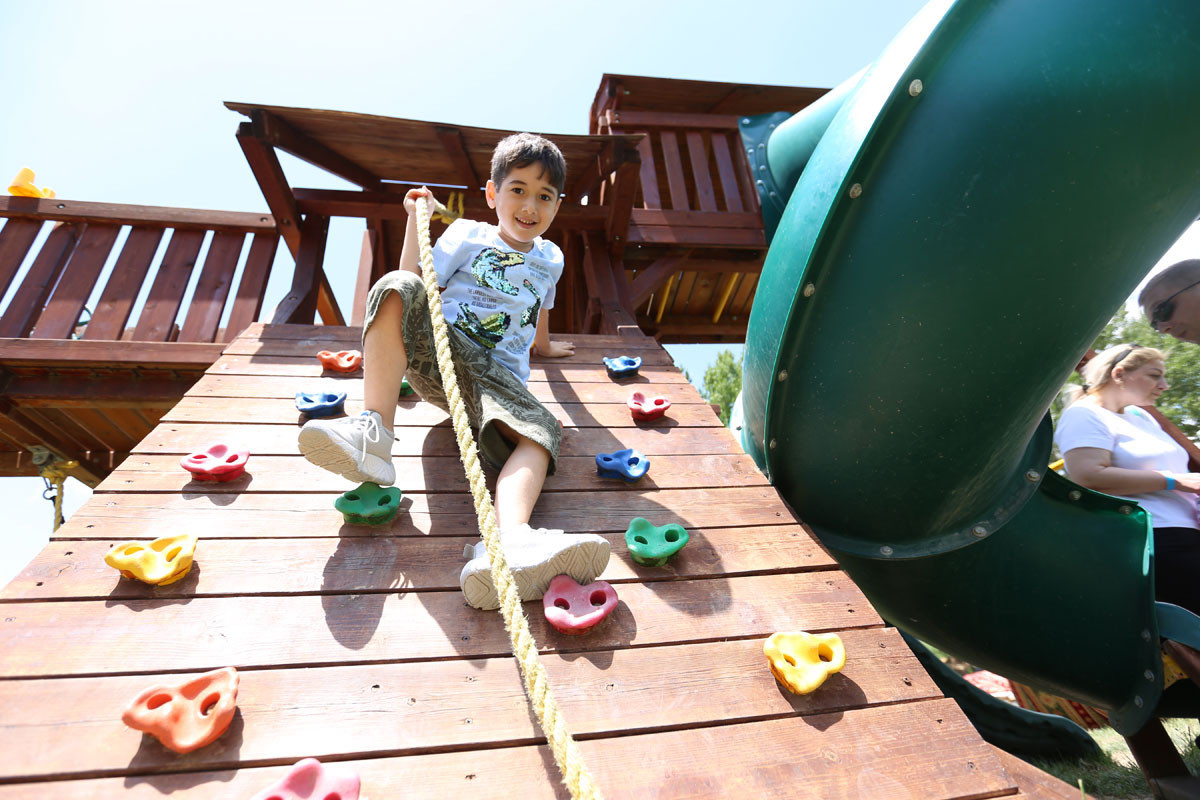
(341, 361)
(188, 716)
(160, 562)
(802, 661)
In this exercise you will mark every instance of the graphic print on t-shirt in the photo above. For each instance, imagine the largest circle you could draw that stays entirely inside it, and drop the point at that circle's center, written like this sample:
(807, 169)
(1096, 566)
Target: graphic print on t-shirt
(487, 332)
(489, 266)
(529, 316)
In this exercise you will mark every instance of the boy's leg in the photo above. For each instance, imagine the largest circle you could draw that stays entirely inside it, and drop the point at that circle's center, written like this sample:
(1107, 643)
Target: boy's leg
(534, 556)
(520, 481)
(384, 360)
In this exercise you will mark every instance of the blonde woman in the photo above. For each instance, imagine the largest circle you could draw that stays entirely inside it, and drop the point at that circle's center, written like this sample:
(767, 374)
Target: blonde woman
(1113, 446)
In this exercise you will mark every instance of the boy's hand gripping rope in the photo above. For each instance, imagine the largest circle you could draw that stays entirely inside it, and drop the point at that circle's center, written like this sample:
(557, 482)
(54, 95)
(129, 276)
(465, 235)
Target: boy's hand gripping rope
(537, 686)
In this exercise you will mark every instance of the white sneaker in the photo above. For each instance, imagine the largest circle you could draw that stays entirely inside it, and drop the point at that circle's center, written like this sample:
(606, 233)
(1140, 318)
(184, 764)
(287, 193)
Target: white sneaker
(357, 448)
(535, 557)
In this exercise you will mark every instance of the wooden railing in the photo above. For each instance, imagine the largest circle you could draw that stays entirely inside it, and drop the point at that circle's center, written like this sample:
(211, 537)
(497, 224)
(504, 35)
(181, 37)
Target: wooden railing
(52, 299)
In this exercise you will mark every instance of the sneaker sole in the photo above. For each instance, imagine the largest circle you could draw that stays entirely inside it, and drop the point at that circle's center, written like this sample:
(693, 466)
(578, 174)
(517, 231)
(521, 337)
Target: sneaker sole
(324, 451)
(583, 563)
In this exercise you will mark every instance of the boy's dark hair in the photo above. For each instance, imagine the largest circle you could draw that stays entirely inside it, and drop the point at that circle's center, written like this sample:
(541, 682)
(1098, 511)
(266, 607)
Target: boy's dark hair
(523, 149)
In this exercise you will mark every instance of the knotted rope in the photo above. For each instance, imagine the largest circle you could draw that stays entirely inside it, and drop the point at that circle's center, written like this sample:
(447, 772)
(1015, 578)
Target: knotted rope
(537, 686)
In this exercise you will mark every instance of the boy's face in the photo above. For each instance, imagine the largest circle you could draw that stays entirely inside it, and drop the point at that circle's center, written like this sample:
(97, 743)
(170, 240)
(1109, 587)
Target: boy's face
(525, 205)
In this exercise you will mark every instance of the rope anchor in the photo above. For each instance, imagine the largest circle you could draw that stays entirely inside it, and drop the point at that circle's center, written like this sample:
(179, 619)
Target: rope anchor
(54, 473)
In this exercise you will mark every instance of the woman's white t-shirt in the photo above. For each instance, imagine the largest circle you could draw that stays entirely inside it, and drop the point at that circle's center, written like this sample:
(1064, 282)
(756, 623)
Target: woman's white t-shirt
(1136, 441)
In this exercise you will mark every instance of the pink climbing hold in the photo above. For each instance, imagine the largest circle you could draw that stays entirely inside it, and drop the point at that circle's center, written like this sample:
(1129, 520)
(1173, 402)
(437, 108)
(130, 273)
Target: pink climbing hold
(218, 462)
(576, 609)
(309, 779)
(646, 408)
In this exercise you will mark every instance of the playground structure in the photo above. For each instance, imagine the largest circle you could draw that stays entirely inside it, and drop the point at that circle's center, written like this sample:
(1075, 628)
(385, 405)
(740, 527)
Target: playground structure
(687, 273)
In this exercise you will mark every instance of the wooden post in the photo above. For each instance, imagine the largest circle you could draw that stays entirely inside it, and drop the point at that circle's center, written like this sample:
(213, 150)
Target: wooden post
(300, 303)
(365, 279)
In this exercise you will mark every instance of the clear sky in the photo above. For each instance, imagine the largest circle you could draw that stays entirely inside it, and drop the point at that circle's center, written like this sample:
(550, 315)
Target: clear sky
(122, 101)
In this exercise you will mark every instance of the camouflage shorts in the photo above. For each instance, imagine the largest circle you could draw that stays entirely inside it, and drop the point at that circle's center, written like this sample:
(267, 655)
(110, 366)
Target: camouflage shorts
(490, 391)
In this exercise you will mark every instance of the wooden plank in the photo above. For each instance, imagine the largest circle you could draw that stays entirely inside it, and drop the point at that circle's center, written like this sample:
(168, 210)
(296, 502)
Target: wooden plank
(683, 292)
(114, 517)
(79, 352)
(118, 214)
(585, 352)
(706, 198)
(1032, 781)
(265, 440)
(277, 411)
(156, 320)
(743, 298)
(275, 131)
(675, 181)
(286, 387)
(216, 278)
(263, 330)
(452, 142)
(647, 281)
(101, 429)
(725, 171)
(698, 237)
(38, 282)
(63, 639)
(16, 238)
(131, 392)
(247, 303)
(931, 753)
(646, 217)
(76, 569)
(286, 712)
(633, 120)
(648, 174)
(562, 370)
(124, 284)
(78, 279)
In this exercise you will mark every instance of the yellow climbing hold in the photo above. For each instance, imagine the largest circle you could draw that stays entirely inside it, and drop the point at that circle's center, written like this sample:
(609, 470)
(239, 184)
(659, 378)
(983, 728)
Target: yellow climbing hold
(160, 562)
(802, 661)
(22, 186)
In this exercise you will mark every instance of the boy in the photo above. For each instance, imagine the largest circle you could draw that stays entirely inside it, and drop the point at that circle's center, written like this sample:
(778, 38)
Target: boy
(497, 286)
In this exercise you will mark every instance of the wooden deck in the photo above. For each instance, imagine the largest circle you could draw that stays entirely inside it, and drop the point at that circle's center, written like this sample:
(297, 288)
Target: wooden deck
(354, 644)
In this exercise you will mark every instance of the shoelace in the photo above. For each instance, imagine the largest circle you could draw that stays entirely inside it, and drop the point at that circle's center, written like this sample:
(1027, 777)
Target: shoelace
(370, 426)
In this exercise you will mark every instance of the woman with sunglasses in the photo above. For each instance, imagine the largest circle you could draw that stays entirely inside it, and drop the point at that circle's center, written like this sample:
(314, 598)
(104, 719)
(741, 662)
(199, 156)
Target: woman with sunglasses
(1113, 446)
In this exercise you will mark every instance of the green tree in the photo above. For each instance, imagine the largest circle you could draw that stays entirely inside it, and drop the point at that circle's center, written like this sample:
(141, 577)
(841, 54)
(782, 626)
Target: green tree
(722, 382)
(1181, 402)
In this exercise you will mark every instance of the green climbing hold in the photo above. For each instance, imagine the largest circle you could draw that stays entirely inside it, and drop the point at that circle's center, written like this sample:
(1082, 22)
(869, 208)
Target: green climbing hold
(653, 545)
(369, 504)
(405, 389)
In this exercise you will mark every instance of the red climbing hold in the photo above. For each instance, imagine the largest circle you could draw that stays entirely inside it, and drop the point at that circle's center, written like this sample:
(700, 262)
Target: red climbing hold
(576, 609)
(187, 716)
(218, 462)
(646, 408)
(341, 361)
(309, 779)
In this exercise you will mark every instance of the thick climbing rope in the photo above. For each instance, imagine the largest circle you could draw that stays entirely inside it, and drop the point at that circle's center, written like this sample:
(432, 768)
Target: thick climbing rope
(537, 685)
(54, 476)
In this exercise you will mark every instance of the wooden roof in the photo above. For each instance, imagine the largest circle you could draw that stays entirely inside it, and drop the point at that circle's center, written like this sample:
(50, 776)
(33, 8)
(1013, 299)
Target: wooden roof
(366, 149)
(641, 93)
(353, 644)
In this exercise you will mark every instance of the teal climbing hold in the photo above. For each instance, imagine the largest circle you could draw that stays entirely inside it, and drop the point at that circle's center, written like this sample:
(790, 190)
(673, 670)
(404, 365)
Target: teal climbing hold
(405, 389)
(653, 545)
(369, 504)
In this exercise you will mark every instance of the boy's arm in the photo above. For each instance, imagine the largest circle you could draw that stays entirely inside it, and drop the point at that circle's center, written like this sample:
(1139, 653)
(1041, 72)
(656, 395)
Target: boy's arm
(541, 340)
(410, 254)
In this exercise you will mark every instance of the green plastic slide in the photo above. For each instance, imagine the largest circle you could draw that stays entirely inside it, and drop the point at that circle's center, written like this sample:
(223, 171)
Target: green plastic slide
(968, 213)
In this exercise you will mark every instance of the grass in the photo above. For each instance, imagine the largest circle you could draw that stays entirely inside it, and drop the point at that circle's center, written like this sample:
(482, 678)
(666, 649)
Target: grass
(1115, 776)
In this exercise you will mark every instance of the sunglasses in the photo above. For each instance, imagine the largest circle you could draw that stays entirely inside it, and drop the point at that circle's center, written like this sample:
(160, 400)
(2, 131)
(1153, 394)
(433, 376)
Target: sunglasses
(1163, 311)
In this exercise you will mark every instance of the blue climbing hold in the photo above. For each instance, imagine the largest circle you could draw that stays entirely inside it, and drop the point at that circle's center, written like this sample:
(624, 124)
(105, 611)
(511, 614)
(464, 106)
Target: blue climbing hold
(320, 404)
(626, 465)
(622, 366)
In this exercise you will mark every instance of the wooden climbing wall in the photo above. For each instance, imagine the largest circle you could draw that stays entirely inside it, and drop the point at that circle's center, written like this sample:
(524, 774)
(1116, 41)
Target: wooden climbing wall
(354, 644)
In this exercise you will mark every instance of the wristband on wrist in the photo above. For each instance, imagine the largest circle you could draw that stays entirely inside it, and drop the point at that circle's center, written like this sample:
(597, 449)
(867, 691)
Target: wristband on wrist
(1170, 481)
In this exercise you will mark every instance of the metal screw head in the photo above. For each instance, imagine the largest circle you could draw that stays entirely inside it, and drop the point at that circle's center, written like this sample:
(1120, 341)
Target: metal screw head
(855, 190)
(1033, 476)
(773, 194)
(916, 87)
(1137, 701)
(809, 289)
(782, 375)
(1074, 494)
(745, 120)
(772, 444)
(1145, 636)
(771, 126)
(1149, 674)
(1126, 509)
(762, 168)
(886, 550)
(979, 530)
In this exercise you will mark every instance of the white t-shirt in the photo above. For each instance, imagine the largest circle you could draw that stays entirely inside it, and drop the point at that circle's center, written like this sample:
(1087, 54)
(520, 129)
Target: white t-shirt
(493, 293)
(1136, 441)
